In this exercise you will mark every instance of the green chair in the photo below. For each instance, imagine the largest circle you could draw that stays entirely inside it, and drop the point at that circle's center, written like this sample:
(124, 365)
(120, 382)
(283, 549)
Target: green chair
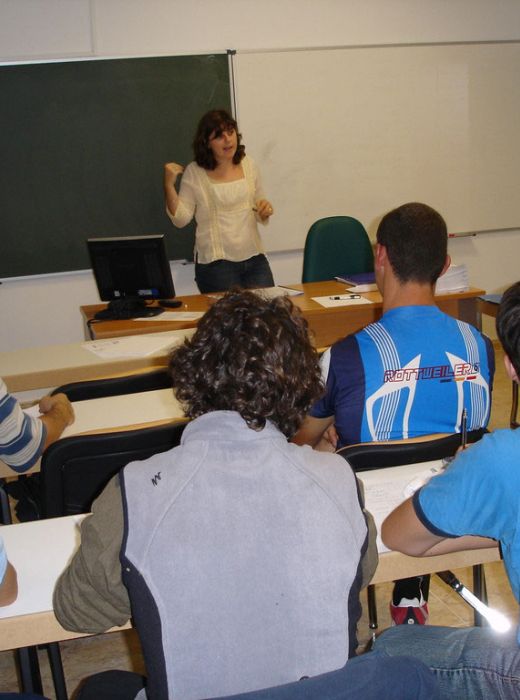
(335, 246)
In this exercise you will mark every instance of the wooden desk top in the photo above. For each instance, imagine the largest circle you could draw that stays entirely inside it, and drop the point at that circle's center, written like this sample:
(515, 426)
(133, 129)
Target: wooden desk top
(52, 365)
(327, 324)
(110, 413)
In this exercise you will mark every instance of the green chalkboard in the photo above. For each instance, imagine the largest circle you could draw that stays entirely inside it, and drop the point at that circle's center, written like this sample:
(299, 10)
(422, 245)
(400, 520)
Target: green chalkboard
(83, 145)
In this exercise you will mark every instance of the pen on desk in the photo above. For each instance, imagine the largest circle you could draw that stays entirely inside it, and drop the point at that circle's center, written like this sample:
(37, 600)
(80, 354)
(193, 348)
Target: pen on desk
(464, 429)
(344, 297)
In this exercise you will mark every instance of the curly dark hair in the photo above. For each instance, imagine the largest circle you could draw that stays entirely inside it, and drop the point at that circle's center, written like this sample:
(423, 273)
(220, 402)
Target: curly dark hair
(416, 241)
(251, 355)
(508, 324)
(218, 120)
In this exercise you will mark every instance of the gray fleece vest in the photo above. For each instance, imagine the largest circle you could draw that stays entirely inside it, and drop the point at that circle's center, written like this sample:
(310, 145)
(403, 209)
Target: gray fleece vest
(241, 556)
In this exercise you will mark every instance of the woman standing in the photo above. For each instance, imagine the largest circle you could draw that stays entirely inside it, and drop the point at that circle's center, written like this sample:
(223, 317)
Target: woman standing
(222, 189)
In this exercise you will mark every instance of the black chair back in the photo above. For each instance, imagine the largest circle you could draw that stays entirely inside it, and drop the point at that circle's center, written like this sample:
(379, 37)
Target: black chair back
(116, 386)
(75, 470)
(378, 455)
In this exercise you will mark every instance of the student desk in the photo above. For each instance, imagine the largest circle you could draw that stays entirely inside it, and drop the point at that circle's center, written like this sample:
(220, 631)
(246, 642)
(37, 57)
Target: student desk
(41, 549)
(326, 324)
(110, 413)
(52, 365)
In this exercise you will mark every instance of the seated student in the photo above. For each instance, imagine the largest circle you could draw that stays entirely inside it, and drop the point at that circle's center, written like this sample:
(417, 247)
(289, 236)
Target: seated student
(23, 438)
(412, 372)
(477, 497)
(8, 594)
(237, 553)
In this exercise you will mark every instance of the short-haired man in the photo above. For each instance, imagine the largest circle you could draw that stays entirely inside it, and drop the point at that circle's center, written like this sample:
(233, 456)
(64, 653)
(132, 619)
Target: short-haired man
(412, 372)
(237, 553)
(477, 497)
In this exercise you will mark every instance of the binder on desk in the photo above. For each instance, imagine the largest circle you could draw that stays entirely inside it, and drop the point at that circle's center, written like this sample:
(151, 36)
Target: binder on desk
(357, 278)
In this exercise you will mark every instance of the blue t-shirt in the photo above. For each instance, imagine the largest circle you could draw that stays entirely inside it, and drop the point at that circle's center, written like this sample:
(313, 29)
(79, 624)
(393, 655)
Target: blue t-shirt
(409, 374)
(479, 494)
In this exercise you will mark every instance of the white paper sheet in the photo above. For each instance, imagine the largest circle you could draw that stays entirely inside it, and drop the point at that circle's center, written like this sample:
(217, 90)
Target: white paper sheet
(272, 292)
(39, 551)
(340, 300)
(385, 489)
(360, 288)
(131, 346)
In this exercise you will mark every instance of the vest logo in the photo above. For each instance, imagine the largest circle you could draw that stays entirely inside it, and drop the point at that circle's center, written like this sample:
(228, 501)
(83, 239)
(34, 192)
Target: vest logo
(156, 478)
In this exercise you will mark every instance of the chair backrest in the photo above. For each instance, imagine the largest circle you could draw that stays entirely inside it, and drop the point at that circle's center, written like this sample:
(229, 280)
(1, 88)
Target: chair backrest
(75, 470)
(378, 455)
(335, 246)
(116, 386)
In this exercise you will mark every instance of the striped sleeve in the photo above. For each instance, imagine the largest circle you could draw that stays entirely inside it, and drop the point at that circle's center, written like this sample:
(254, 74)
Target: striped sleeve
(21, 436)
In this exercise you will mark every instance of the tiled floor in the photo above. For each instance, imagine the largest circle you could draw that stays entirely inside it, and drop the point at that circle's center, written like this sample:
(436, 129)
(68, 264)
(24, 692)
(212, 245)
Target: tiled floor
(121, 650)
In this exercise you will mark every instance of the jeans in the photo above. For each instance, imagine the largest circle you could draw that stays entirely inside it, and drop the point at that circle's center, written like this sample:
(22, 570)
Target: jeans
(221, 275)
(373, 676)
(472, 662)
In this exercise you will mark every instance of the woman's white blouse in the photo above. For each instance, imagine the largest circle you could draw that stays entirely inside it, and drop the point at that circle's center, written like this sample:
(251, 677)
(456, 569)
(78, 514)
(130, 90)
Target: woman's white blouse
(227, 226)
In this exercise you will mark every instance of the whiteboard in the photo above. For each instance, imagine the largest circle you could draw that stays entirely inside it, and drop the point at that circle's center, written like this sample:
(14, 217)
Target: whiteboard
(358, 131)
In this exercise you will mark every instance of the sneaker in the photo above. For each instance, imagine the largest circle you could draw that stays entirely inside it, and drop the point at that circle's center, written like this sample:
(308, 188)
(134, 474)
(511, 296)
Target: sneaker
(409, 612)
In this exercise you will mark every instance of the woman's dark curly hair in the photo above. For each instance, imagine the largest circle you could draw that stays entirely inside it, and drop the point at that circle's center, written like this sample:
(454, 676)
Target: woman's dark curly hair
(218, 120)
(251, 355)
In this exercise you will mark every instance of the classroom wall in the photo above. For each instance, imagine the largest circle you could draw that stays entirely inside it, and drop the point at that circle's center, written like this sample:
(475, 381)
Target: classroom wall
(44, 310)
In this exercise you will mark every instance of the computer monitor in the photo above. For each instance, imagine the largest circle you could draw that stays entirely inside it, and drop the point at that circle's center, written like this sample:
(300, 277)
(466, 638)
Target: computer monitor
(130, 270)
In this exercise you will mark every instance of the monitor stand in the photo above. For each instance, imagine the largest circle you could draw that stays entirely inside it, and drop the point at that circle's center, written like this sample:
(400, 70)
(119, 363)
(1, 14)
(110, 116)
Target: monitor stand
(129, 307)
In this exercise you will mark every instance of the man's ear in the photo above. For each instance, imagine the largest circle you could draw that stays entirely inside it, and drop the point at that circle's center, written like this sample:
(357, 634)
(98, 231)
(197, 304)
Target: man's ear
(447, 263)
(511, 371)
(380, 257)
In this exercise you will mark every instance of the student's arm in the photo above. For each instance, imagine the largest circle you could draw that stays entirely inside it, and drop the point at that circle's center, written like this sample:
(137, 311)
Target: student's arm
(8, 580)
(90, 595)
(403, 531)
(57, 414)
(312, 431)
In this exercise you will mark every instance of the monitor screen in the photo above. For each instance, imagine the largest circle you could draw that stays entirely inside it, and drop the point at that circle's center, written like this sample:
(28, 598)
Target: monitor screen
(133, 267)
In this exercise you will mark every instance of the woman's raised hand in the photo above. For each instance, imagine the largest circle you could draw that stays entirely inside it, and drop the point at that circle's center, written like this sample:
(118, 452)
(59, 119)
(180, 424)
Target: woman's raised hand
(173, 170)
(264, 209)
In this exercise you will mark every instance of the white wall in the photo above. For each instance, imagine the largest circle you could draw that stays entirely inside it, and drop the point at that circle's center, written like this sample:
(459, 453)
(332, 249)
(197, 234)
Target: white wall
(44, 310)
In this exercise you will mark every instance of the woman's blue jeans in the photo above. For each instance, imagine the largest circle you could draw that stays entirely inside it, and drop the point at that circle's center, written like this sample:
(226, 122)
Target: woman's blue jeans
(221, 275)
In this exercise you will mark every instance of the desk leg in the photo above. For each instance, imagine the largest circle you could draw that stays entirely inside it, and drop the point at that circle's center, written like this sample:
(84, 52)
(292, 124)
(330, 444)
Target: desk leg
(58, 677)
(30, 677)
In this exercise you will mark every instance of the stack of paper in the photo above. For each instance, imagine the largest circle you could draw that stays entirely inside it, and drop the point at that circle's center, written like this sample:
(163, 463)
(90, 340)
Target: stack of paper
(455, 279)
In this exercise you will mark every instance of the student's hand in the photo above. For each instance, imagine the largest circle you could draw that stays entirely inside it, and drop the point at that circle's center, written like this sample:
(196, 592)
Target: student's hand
(264, 209)
(328, 441)
(59, 405)
(9, 586)
(172, 171)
